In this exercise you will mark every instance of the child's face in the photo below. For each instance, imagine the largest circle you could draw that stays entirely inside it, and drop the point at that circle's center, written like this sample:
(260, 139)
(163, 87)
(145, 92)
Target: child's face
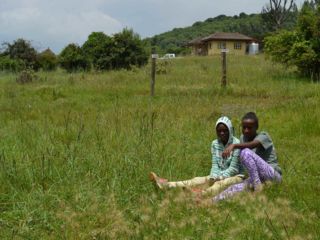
(249, 128)
(223, 133)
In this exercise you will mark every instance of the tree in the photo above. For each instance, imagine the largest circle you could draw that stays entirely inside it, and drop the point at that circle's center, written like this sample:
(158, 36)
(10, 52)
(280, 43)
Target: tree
(47, 60)
(72, 59)
(242, 15)
(277, 13)
(277, 46)
(98, 49)
(22, 49)
(123, 50)
(128, 50)
(306, 52)
(300, 48)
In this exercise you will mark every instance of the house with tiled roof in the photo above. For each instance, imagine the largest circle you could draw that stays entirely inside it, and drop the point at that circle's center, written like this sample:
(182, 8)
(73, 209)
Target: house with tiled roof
(234, 43)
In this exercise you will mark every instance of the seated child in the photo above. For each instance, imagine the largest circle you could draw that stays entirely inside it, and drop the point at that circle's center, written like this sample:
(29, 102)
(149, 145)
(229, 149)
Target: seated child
(224, 171)
(258, 156)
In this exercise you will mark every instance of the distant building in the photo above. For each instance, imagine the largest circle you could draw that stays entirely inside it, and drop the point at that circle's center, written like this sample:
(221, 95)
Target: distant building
(234, 43)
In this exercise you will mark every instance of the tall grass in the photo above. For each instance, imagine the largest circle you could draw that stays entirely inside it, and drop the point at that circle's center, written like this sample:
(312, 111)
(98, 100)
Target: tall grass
(75, 152)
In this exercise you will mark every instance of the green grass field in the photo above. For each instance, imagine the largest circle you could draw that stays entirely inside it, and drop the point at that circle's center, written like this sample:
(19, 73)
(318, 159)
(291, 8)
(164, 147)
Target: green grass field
(76, 150)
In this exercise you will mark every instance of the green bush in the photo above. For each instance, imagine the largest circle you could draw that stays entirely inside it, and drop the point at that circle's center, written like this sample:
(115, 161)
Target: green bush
(277, 46)
(11, 65)
(26, 76)
(128, 50)
(47, 60)
(98, 49)
(22, 50)
(73, 59)
(123, 50)
(300, 48)
(163, 66)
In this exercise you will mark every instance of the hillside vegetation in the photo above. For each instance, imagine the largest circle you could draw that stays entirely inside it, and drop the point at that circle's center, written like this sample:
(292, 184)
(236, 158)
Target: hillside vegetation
(251, 25)
(76, 150)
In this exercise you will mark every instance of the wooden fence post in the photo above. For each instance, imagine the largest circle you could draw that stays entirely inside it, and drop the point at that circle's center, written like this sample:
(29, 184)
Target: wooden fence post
(153, 70)
(224, 68)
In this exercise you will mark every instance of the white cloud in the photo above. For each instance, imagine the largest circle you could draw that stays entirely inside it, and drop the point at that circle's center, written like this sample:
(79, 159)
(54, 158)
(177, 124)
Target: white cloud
(49, 27)
(56, 23)
(77, 26)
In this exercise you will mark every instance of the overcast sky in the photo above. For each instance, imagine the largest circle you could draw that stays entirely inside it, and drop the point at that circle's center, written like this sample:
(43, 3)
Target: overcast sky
(56, 23)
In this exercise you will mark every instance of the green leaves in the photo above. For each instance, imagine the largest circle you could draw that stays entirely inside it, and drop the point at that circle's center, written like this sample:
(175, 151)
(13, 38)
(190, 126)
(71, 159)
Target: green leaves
(21, 50)
(174, 41)
(123, 50)
(47, 60)
(300, 48)
(276, 46)
(98, 50)
(72, 58)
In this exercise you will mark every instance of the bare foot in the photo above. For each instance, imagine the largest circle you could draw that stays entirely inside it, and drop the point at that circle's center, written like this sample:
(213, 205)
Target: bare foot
(160, 183)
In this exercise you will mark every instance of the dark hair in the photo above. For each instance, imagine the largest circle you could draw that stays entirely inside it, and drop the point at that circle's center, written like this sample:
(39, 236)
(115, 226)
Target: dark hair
(251, 116)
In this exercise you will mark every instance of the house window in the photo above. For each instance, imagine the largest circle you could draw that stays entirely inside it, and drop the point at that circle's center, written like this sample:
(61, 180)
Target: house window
(221, 45)
(237, 45)
(210, 46)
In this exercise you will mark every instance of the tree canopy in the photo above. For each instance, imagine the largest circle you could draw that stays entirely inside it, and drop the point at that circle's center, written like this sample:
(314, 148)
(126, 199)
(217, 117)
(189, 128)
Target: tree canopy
(279, 14)
(102, 52)
(21, 50)
(48, 61)
(301, 47)
(98, 49)
(72, 58)
(252, 25)
(129, 50)
(123, 50)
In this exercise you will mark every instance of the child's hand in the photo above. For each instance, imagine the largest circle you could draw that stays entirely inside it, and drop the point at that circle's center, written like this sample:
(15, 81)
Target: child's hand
(212, 181)
(227, 152)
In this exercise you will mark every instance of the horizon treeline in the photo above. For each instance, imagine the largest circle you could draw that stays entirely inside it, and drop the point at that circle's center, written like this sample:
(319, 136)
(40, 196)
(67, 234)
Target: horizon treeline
(297, 46)
(99, 52)
(126, 49)
(254, 25)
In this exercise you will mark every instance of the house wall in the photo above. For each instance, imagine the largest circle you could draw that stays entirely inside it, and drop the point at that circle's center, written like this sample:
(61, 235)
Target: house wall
(199, 50)
(213, 47)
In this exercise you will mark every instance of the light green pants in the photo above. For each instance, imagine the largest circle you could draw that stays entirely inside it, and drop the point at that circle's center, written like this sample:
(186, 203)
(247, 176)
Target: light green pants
(204, 182)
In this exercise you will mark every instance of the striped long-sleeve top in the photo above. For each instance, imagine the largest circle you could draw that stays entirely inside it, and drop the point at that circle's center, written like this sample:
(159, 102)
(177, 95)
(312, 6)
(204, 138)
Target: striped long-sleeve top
(223, 168)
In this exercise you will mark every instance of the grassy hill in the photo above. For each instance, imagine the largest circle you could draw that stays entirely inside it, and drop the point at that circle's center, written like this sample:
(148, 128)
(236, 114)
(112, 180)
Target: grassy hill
(174, 40)
(76, 150)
